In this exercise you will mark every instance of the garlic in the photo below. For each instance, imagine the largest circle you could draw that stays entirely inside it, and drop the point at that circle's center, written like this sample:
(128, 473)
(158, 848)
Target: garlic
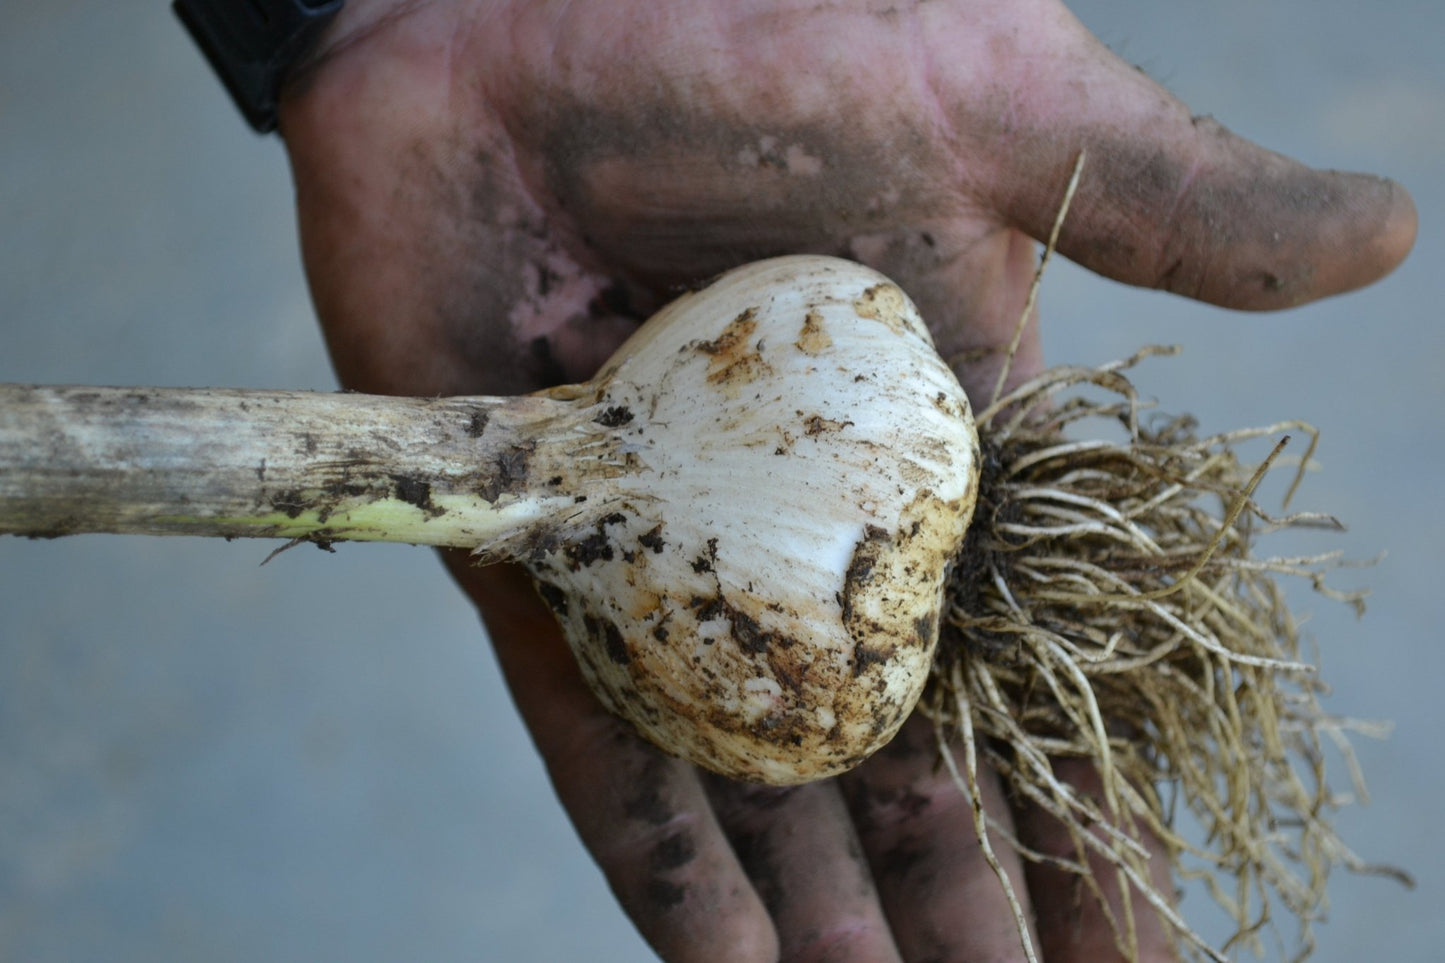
(743, 522)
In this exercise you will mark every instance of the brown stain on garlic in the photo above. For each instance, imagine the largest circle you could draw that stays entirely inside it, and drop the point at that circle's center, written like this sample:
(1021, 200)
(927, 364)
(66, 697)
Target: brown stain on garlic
(814, 425)
(650, 607)
(734, 358)
(885, 303)
(813, 340)
(608, 638)
(509, 474)
(870, 635)
(881, 592)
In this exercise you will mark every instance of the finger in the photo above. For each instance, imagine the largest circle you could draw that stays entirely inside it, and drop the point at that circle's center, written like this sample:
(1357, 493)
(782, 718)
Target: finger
(1168, 199)
(1072, 924)
(799, 848)
(644, 816)
(942, 898)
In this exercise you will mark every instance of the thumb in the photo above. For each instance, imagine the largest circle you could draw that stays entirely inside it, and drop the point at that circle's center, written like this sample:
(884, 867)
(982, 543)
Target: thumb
(1175, 201)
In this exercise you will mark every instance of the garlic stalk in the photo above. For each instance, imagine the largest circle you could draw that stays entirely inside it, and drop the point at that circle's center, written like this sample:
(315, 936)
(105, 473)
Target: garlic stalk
(743, 522)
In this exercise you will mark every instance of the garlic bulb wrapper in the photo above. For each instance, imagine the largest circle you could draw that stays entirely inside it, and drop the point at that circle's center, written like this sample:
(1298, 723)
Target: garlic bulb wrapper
(755, 579)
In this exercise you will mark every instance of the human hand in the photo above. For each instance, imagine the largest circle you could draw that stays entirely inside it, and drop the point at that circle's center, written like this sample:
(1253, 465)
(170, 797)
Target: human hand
(493, 193)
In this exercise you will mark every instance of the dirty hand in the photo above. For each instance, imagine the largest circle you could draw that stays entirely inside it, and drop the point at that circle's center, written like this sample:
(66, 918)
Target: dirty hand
(492, 193)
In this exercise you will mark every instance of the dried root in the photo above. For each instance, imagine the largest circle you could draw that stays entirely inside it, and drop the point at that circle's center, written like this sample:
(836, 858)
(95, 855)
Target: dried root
(1109, 607)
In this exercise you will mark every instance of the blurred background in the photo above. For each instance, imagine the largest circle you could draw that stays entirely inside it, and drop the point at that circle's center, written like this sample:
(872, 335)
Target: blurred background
(203, 758)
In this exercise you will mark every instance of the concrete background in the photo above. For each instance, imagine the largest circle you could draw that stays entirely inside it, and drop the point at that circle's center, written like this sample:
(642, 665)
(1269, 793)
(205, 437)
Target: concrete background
(201, 758)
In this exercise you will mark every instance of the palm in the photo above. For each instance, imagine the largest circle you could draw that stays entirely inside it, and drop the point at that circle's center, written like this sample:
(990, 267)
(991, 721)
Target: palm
(492, 194)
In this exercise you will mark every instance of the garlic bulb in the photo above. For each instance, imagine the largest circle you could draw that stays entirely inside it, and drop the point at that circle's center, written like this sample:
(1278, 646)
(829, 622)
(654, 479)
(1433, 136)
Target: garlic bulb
(743, 522)
(776, 617)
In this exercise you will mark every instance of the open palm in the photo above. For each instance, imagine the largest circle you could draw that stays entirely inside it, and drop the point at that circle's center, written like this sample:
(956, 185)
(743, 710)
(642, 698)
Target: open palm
(492, 194)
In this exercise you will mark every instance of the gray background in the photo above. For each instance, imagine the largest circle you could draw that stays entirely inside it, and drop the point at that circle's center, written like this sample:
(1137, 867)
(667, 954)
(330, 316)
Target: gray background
(201, 758)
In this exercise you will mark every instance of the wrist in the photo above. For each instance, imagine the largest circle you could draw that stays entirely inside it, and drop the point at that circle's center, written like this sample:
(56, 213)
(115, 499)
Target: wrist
(371, 52)
(253, 46)
(356, 20)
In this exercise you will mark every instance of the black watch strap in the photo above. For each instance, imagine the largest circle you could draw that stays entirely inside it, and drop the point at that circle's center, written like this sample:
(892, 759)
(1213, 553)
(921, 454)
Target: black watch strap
(251, 44)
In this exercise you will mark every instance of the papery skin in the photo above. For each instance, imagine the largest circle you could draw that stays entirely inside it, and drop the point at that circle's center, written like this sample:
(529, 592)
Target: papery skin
(773, 615)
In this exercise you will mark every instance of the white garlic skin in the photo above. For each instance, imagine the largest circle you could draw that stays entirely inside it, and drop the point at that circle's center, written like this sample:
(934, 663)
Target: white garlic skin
(790, 472)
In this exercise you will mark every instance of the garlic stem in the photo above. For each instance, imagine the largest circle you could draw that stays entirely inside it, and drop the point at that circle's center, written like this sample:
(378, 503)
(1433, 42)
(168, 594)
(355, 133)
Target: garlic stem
(458, 472)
